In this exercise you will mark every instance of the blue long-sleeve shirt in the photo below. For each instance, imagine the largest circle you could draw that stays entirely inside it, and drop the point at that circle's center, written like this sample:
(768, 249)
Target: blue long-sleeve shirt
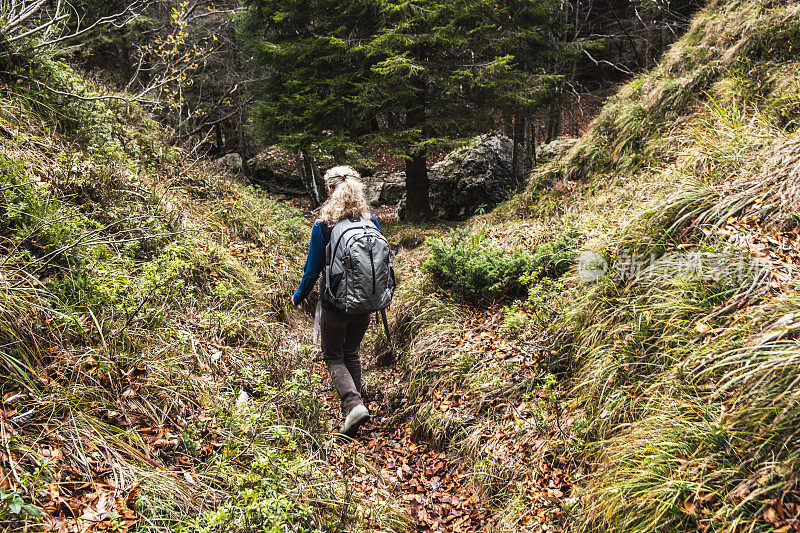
(315, 260)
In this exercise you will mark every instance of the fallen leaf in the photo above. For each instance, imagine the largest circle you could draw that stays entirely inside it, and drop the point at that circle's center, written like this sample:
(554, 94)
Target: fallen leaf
(701, 327)
(689, 507)
(771, 515)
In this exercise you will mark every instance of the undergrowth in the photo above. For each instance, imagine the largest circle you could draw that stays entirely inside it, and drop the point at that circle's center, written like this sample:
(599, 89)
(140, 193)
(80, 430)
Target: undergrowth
(684, 358)
(665, 382)
(146, 368)
(472, 267)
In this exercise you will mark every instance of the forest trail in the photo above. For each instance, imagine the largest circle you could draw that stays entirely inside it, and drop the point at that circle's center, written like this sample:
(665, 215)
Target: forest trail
(437, 487)
(609, 343)
(433, 486)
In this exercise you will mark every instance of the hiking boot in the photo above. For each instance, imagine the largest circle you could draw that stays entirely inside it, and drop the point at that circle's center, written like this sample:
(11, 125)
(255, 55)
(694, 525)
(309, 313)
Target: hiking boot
(357, 416)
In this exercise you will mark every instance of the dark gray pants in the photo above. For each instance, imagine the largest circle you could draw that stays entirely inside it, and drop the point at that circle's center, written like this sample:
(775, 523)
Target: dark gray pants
(341, 337)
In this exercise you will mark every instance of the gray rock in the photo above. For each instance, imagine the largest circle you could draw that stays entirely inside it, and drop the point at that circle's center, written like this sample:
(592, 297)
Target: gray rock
(372, 192)
(232, 162)
(385, 189)
(275, 166)
(554, 148)
(393, 188)
(475, 177)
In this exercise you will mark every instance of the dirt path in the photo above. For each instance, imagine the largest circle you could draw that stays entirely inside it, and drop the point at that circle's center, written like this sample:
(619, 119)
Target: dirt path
(434, 487)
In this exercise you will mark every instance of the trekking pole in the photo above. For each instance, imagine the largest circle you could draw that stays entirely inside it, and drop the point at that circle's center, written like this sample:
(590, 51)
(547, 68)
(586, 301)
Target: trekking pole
(386, 330)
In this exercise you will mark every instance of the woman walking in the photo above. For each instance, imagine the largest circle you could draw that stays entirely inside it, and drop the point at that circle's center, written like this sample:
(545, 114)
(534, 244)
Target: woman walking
(341, 330)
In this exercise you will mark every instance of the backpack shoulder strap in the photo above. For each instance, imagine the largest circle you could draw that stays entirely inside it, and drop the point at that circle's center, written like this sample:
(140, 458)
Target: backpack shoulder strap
(326, 232)
(329, 233)
(326, 240)
(373, 222)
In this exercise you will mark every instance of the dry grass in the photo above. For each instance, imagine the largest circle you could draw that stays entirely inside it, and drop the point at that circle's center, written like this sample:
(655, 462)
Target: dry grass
(684, 380)
(125, 351)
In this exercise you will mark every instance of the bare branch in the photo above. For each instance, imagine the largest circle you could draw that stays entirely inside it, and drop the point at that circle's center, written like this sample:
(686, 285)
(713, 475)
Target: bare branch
(111, 19)
(43, 26)
(128, 99)
(17, 19)
(17, 15)
(620, 68)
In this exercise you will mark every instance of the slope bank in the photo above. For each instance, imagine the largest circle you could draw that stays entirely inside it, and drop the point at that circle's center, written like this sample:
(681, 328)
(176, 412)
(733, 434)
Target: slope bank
(149, 374)
(654, 385)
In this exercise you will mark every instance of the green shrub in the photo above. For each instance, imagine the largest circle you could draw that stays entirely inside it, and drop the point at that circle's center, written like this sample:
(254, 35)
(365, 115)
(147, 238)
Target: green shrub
(554, 258)
(13, 503)
(524, 317)
(30, 214)
(261, 500)
(473, 268)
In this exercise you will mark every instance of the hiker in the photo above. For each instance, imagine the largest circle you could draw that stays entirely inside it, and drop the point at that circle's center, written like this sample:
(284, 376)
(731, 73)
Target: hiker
(347, 245)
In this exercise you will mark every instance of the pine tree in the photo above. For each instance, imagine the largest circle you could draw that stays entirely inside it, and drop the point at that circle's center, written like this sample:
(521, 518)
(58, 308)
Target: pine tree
(313, 62)
(448, 67)
(424, 71)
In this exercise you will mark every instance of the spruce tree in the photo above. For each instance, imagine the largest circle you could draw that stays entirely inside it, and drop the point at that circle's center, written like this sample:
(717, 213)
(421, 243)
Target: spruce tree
(446, 67)
(312, 64)
(423, 72)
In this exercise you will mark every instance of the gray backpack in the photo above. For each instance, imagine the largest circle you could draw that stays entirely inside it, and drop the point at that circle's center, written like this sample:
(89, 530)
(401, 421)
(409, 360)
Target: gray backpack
(359, 273)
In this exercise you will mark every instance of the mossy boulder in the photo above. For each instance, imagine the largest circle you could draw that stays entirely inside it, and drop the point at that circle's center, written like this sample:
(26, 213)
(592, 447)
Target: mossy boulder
(554, 148)
(385, 189)
(232, 162)
(275, 166)
(471, 179)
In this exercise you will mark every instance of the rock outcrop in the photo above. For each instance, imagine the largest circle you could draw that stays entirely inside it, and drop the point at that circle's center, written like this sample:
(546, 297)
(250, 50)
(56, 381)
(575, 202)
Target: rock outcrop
(554, 148)
(385, 189)
(472, 178)
(274, 167)
(232, 162)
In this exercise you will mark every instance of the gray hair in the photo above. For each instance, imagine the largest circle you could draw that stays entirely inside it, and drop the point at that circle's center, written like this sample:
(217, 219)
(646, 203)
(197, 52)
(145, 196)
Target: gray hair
(347, 199)
(334, 176)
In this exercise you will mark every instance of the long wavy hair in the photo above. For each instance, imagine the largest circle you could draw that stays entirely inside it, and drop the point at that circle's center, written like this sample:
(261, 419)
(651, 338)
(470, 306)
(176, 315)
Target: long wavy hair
(347, 199)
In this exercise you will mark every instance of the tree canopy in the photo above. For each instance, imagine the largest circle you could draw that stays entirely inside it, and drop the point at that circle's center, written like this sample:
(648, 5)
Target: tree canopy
(410, 74)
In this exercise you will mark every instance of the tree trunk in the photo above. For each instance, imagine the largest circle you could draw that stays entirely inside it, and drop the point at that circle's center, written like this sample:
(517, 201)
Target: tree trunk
(553, 129)
(319, 180)
(220, 141)
(627, 34)
(517, 153)
(530, 147)
(311, 178)
(417, 203)
(243, 149)
(508, 124)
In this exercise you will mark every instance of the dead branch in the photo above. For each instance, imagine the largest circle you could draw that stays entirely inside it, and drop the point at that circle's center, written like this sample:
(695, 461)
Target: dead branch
(620, 68)
(126, 16)
(139, 97)
(19, 16)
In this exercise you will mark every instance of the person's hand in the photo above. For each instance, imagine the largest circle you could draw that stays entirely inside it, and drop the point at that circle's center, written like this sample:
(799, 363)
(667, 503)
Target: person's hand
(296, 306)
